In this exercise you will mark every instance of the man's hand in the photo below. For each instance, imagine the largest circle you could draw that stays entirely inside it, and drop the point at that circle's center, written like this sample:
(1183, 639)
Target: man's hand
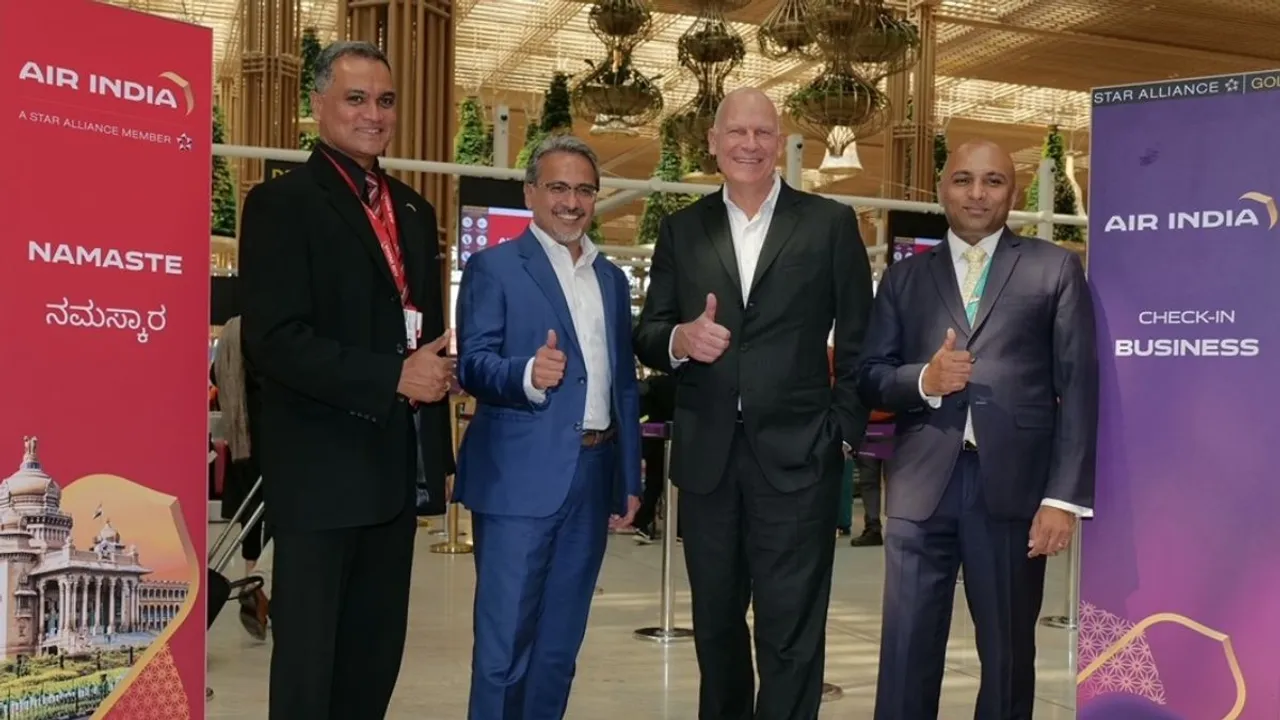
(548, 364)
(949, 370)
(703, 340)
(617, 522)
(425, 375)
(1051, 531)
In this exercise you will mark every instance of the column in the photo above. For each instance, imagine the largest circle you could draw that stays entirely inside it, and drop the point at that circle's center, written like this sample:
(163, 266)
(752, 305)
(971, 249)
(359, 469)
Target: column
(62, 606)
(40, 612)
(111, 599)
(418, 38)
(913, 139)
(98, 626)
(84, 603)
(269, 41)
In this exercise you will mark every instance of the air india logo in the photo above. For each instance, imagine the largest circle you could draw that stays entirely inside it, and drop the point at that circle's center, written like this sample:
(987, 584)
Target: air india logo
(163, 93)
(1255, 209)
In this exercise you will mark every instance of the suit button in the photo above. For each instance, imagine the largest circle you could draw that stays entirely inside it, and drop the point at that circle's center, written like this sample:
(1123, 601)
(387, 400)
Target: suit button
(582, 381)
(399, 348)
(577, 426)
(745, 347)
(394, 298)
(962, 404)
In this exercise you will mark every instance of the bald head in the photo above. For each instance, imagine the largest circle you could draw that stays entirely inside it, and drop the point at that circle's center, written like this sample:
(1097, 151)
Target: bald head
(745, 142)
(745, 99)
(977, 189)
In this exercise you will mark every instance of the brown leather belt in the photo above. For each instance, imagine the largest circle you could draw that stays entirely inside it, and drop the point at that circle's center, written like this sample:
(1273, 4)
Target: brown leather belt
(592, 438)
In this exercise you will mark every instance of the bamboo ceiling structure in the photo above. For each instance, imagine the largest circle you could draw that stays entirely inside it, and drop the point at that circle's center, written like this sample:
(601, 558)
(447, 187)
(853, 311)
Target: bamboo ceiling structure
(1005, 69)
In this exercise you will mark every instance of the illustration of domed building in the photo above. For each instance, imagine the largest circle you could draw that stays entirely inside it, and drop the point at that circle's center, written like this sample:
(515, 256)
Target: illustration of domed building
(55, 598)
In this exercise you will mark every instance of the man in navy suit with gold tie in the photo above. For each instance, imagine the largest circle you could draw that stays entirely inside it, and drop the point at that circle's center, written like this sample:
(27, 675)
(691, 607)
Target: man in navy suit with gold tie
(984, 349)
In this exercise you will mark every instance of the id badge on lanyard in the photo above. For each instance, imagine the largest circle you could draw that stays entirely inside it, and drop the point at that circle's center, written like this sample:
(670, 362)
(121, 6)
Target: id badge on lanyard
(412, 327)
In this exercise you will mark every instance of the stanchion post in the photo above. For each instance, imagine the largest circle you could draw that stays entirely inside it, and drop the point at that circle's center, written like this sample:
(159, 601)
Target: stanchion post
(452, 546)
(1070, 617)
(667, 632)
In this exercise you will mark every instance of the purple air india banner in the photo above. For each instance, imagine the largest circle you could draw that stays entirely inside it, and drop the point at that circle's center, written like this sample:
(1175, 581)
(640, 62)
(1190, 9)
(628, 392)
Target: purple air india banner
(1180, 586)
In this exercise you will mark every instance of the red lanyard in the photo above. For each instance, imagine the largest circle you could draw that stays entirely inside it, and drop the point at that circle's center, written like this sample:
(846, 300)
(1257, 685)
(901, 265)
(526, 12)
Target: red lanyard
(386, 230)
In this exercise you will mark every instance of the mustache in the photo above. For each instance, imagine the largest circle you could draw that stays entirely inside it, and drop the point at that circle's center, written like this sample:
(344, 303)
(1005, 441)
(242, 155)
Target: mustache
(575, 212)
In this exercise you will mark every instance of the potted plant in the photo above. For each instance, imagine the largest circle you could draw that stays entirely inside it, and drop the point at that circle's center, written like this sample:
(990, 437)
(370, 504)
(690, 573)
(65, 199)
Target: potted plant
(619, 18)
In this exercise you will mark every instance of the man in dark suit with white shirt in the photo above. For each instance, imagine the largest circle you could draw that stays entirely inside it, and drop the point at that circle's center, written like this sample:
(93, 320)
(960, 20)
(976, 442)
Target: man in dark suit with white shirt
(744, 289)
(984, 348)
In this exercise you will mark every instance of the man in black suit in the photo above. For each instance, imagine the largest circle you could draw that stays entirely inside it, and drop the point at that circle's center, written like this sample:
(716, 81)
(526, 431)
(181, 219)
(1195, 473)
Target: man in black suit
(745, 286)
(984, 348)
(344, 324)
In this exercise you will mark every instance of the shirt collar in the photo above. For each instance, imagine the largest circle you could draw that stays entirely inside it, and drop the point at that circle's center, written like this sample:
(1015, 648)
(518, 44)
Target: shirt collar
(958, 246)
(351, 167)
(770, 200)
(589, 250)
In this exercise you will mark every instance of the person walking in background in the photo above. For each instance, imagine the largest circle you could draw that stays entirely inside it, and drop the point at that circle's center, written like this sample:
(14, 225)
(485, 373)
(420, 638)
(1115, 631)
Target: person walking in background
(744, 289)
(344, 326)
(551, 459)
(984, 348)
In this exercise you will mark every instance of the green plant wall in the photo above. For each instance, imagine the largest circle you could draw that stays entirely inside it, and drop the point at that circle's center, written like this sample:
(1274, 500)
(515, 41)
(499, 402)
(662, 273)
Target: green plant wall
(1064, 195)
(310, 52)
(223, 216)
(472, 146)
(658, 205)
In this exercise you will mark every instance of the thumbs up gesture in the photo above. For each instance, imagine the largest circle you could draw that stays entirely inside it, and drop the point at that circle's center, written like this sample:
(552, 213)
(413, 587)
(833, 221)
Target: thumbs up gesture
(426, 374)
(548, 364)
(948, 372)
(703, 339)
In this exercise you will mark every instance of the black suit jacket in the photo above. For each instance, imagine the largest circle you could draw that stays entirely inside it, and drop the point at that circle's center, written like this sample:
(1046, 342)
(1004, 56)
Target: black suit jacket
(324, 330)
(812, 272)
(1033, 391)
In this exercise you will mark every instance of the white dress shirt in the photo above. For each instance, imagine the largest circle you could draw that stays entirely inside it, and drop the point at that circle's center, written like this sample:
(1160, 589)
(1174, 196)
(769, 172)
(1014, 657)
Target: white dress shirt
(586, 306)
(957, 248)
(748, 235)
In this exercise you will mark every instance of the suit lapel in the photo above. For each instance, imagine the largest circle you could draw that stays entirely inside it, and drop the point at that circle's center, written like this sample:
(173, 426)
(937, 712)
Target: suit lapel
(943, 270)
(350, 209)
(1003, 261)
(715, 216)
(538, 265)
(781, 227)
(607, 291)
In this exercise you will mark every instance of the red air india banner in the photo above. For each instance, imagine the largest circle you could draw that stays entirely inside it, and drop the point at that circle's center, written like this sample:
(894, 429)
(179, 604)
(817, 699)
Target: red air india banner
(104, 283)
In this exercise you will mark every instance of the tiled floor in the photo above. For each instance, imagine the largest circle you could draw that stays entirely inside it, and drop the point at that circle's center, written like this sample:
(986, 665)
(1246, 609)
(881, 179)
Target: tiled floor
(622, 677)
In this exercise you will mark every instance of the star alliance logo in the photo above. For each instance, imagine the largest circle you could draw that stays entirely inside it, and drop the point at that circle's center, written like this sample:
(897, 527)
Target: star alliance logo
(1233, 85)
(184, 142)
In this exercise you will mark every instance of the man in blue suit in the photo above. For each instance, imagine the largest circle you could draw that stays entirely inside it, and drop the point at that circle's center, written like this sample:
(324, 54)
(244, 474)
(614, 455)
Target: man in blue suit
(544, 345)
(984, 349)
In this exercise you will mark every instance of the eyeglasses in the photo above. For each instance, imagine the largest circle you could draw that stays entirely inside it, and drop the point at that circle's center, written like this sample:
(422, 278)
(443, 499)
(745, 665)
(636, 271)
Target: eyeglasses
(560, 190)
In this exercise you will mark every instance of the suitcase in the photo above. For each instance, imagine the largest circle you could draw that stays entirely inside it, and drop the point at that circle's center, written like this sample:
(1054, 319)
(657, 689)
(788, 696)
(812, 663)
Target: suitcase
(254, 607)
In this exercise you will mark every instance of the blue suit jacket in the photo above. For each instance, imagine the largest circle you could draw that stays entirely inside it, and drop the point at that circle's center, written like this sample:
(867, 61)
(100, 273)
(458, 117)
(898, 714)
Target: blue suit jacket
(1034, 388)
(518, 458)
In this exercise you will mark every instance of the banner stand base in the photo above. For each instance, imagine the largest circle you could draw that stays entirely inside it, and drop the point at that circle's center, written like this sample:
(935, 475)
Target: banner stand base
(660, 635)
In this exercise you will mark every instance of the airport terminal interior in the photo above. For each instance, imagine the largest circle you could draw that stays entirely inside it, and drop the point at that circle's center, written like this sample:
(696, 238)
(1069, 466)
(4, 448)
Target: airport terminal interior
(870, 108)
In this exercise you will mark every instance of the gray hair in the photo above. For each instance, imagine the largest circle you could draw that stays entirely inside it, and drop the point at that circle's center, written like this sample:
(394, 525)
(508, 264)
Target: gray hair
(338, 50)
(560, 144)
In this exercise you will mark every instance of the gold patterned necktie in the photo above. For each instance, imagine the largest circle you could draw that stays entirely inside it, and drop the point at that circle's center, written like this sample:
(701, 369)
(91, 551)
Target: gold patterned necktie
(976, 258)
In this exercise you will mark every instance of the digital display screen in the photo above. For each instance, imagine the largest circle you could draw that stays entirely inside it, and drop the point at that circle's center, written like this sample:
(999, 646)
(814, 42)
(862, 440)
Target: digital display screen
(490, 212)
(905, 247)
(485, 227)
